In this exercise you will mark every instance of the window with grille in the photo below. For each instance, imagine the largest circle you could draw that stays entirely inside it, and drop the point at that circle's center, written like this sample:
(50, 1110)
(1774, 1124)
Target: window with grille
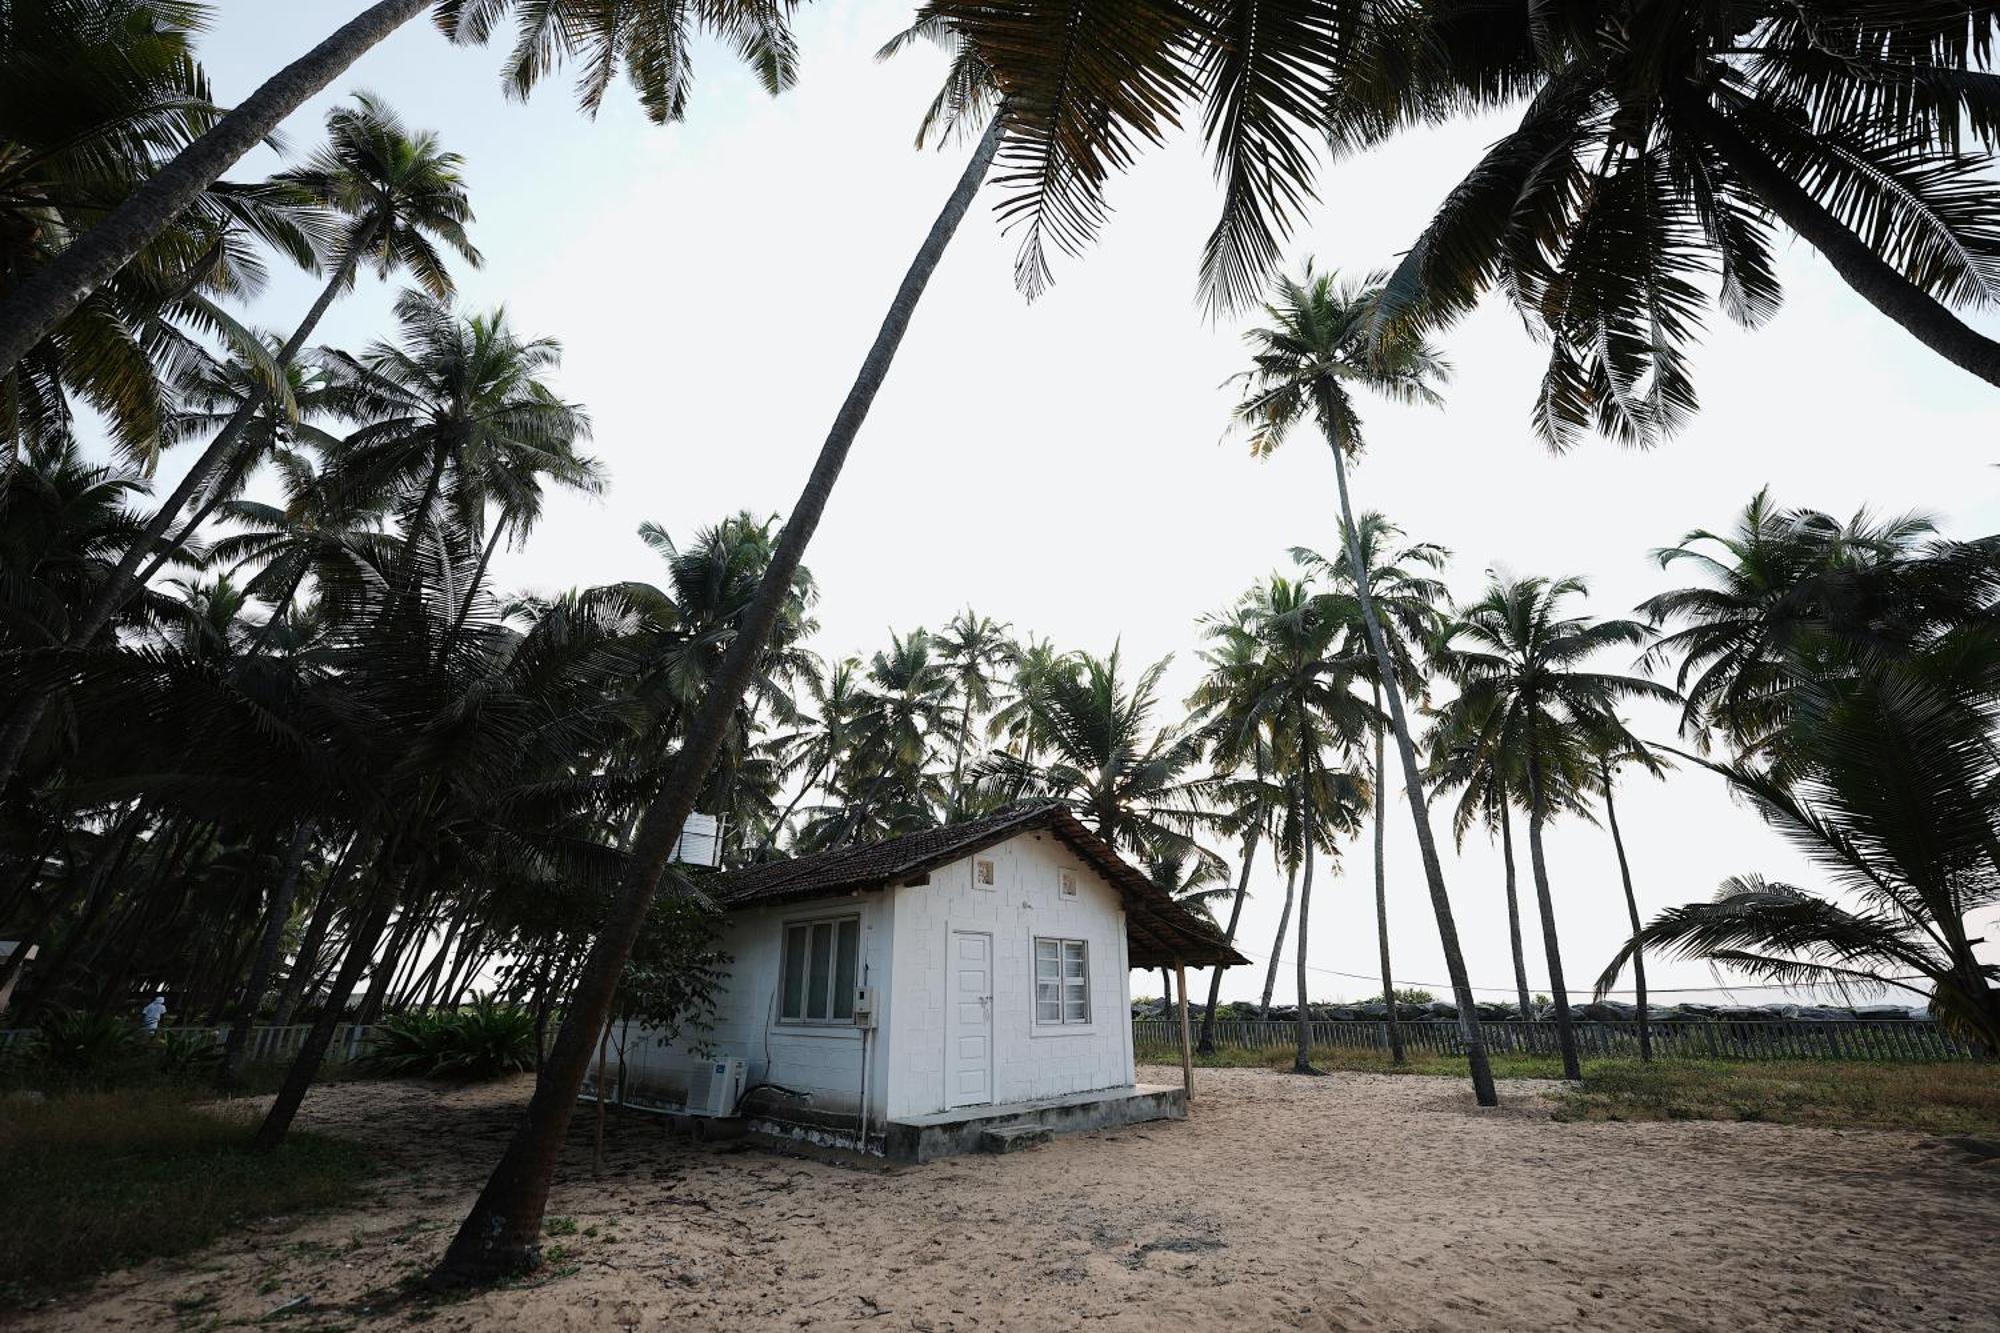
(821, 963)
(1062, 981)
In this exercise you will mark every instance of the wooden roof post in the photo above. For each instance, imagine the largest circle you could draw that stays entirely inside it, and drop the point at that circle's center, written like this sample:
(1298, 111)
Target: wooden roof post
(1187, 1041)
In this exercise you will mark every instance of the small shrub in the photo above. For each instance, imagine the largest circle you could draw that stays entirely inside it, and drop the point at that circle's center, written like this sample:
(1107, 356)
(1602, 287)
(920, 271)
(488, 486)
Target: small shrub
(188, 1054)
(74, 1042)
(483, 1040)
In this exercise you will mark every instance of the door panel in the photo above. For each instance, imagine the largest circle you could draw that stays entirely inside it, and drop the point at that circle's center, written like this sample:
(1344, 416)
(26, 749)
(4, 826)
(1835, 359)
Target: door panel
(969, 1040)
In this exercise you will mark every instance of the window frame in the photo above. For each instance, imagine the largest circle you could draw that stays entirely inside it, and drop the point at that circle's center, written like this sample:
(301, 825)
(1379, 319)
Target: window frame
(1069, 882)
(991, 863)
(809, 925)
(1063, 946)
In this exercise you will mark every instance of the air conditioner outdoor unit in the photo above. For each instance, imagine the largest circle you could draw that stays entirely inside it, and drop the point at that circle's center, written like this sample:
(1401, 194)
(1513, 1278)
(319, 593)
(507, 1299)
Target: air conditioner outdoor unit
(716, 1087)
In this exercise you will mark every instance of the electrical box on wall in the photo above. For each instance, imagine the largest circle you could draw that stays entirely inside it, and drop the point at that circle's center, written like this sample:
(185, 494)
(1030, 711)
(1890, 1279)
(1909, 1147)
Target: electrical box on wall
(864, 1006)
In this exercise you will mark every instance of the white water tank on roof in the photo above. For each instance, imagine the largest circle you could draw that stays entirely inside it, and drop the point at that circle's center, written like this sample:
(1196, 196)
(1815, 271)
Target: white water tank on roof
(700, 843)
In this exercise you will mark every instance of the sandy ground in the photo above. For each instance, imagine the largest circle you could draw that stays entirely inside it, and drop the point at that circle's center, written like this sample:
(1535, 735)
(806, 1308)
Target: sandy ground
(1350, 1202)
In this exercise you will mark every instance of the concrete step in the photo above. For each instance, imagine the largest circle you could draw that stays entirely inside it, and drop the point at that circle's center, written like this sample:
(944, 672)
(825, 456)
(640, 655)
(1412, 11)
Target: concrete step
(1013, 1138)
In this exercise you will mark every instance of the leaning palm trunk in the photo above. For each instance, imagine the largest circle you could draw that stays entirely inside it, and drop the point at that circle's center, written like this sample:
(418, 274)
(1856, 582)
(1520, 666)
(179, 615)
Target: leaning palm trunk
(1396, 1054)
(500, 1234)
(1632, 910)
(279, 915)
(1879, 283)
(1302, 1061)
(1558, 991)
(305, 1065)
(124, 580)
(1207, 1043)
(32, 311)
(1278, 945)
(1413, 788)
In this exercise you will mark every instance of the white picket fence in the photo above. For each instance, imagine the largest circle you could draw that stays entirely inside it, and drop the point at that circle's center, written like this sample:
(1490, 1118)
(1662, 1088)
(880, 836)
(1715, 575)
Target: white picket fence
(267, 1045)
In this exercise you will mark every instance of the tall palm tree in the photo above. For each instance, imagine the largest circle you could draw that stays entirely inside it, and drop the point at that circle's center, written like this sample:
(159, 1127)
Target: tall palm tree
(1612, 751)
(1527, 690)
(1791, 595)
(499, 1233)
(1488, 783)
(315, 534)
(1410, 604)
(1133, 781)
(824, 736)
(63, 522)
(902, 717)
(1659, 141)
(1898, 809)
(1196, 885)
(1247, 794)
(451, 412)
(1315, 348)
(973, 649)
(622, 34)
(1662, 140)
(399, 196)
(98, 93)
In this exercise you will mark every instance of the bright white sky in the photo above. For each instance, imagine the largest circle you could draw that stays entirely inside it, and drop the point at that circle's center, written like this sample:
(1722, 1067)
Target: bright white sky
(1060, 466)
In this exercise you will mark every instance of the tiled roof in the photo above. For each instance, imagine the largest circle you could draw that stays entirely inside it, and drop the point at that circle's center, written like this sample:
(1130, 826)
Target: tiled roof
(1160, 932)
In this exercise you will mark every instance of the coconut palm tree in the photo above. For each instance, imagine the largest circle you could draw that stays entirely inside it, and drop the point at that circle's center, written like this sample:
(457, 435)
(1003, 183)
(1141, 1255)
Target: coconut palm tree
(1314, 350)
(1485, 778)
(623, 35)
(499, 1233)
(973, 649)
(1659, 141)
(1133, 781)
(1302, 691)
(1897, 808)
(399, 197)
(1410, 605)
(1527, 691)
(1790, 595)
(903, 715)
(1613, 750)
(445, 412)
(1247, 794)
(316, 534)
(1195, 884)
(98, 94)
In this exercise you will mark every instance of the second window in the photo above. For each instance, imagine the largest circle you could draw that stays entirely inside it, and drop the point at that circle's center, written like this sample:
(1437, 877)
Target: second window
(1062, 981)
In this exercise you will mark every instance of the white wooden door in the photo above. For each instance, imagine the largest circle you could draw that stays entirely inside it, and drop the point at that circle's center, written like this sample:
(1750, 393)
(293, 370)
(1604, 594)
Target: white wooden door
(968, 1072)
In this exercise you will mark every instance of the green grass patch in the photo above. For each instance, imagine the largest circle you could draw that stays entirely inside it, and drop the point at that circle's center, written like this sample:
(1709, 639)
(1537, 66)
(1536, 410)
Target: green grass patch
(98, 1180)
(1958, 1097)
(1952, 1098)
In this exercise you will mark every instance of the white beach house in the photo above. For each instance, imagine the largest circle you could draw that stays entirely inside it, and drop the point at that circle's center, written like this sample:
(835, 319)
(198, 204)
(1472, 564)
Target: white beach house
(958, 988)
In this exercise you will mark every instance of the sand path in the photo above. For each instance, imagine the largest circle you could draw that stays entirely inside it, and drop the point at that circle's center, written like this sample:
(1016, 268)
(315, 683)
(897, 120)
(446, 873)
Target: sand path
(1350, 1202)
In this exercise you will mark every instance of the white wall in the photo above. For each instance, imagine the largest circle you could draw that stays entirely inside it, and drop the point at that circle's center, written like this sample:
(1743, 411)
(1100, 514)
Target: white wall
(905, 939)
(1029, 1061)
(822, 1060)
